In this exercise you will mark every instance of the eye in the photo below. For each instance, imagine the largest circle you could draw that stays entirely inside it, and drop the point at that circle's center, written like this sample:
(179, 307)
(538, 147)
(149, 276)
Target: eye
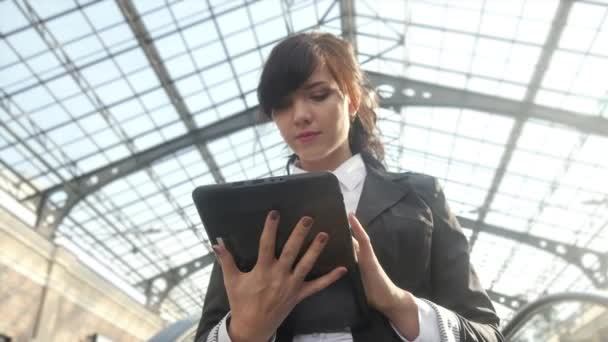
(319, 96)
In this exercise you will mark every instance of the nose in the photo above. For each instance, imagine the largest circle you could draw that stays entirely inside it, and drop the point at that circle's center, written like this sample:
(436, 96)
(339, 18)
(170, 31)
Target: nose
(301, 112)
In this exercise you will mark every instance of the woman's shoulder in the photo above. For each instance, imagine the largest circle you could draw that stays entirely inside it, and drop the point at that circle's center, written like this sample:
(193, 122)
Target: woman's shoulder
(416, 179)
(425, 185)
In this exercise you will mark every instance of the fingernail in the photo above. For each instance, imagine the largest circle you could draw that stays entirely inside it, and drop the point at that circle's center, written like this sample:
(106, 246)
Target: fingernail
(323, 238)
(274, 215)
(220, 242)
(307, 221)
(216, 249)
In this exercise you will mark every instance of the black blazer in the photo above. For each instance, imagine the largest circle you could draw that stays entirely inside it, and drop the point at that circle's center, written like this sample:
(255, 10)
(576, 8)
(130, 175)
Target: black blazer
(421, 247)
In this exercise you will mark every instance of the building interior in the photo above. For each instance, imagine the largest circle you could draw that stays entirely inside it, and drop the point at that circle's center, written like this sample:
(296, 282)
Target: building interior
(113, 112)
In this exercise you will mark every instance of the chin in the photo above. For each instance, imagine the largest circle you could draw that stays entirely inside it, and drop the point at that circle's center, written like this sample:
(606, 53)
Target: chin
(312, 155)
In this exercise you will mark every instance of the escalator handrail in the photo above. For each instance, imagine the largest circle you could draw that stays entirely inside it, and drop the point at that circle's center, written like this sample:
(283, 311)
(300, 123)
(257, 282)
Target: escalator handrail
(530, 309)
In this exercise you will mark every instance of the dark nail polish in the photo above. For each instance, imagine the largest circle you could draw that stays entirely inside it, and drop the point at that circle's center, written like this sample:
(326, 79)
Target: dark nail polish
(307, 221)
(323, 238)
(274, 215)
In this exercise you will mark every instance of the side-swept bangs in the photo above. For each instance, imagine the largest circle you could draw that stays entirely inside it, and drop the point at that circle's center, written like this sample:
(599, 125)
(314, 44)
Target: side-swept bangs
(289, 65)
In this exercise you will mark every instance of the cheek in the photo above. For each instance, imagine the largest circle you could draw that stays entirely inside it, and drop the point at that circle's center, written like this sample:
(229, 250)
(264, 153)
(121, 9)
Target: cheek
(281, 127)
(285, 132)
(338, 118)
(342, 123)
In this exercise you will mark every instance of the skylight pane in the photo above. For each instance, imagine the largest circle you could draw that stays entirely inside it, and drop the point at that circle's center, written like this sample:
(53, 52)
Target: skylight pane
(194, 37)
(63, 30)
(304, 17)
(270, 31)
(240, 43)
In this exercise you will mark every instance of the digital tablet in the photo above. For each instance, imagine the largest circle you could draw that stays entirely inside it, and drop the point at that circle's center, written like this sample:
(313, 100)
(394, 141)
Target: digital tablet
(236, 212)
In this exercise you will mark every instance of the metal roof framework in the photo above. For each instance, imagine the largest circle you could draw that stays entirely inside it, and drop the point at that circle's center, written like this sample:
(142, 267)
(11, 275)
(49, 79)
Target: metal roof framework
(111, 113)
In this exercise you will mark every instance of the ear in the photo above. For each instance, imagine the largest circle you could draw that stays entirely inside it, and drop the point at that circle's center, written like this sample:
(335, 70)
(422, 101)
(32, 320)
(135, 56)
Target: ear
(353, 107)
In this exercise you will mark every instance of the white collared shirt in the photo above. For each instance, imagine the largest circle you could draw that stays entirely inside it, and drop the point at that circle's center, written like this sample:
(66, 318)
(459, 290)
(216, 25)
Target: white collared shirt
(351, 175)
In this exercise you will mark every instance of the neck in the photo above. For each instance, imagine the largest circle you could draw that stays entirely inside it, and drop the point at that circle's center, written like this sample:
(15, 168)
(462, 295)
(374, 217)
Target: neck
(329, 163)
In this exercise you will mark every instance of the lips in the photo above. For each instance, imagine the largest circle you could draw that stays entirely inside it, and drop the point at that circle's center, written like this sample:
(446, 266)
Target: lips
(307, 136)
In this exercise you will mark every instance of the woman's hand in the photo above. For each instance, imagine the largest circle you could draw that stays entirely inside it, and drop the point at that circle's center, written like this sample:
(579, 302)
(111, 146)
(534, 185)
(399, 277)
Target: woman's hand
(261, 299)
(382, 294)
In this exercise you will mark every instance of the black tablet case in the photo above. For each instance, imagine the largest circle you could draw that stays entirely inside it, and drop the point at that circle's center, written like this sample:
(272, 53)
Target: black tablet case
(236, 212)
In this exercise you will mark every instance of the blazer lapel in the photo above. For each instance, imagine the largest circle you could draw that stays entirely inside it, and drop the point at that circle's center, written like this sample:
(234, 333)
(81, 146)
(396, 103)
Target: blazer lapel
(379, 193)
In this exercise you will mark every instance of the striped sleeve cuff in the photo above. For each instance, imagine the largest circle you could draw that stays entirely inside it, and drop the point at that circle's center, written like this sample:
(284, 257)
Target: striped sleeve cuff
(447, 323)
(427, 318)
(436, 324)
(219, 333)
(222, 331)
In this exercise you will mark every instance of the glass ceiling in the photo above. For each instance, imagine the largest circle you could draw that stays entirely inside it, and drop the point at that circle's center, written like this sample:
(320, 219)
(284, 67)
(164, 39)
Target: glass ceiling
(84, 89)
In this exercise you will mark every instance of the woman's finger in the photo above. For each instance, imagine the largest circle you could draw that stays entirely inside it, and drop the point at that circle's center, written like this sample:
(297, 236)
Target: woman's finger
(294, 243)
(359, 234)
(268, 239)
(356, 248)
(310, 257)
(314, 286)
(229, 268)
(364, 251)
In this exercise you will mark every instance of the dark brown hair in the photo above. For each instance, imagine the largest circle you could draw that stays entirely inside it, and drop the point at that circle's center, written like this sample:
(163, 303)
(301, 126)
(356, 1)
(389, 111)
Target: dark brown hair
(291, 63)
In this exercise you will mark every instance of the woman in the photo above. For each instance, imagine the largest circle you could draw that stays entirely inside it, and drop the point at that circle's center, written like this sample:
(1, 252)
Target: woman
(412, 254)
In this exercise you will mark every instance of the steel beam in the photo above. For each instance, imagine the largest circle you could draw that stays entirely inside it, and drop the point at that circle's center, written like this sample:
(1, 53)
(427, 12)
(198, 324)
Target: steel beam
(407, 92)
(286, 13)
(513, 302)
(147, 45)
(158, 287)
(422, 94)
(569, 253)
(50, 224)
(15, 187)
(50, 215)
(549, 48)
(348, 22)
(596, 272)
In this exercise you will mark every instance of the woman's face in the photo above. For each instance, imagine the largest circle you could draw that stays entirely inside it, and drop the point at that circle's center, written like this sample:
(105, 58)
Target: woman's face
(314, 121)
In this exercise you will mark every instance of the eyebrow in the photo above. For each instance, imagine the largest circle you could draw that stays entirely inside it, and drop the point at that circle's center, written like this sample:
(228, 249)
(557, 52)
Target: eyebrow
(314, 84)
